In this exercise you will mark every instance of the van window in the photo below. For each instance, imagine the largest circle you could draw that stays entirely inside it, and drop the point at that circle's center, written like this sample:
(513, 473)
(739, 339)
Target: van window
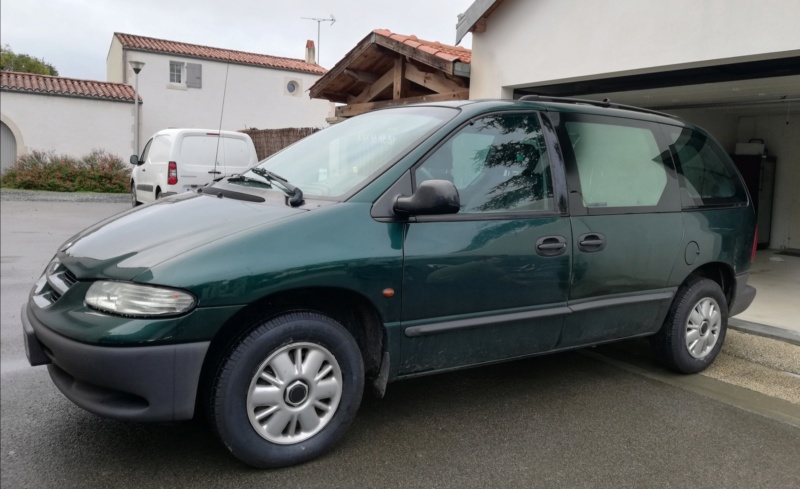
(159, 151)
(237, 152)
(498, 163)
(708, 177)
(619, 163)
(200, 150)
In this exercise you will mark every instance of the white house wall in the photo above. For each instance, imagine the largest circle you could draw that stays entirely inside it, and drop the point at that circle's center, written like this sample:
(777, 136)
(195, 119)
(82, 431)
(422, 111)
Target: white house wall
(254, 97)
(537, 42)
(69, 125)
(115, 70)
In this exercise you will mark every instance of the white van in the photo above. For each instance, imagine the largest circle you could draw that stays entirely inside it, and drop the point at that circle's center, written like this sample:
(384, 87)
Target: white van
(181, 160)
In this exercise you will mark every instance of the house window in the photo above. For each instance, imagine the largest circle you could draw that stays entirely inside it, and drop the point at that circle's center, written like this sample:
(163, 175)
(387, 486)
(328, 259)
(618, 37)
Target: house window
(175, 72)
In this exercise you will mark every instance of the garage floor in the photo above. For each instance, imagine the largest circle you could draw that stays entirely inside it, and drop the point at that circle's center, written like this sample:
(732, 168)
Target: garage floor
(777, 280)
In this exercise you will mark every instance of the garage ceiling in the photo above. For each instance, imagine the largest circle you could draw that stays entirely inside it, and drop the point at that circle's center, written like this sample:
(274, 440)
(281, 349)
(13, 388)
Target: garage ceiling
(762, 86)
(773, 95)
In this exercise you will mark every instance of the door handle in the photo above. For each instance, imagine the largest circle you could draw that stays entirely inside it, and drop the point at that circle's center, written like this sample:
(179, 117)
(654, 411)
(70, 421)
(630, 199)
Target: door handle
(217, 172)
(551, 245)
(591, 242)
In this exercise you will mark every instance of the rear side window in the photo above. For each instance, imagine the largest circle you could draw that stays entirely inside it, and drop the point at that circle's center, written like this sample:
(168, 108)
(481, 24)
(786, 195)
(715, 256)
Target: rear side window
(708, 177)
(618, 162)
(200, 150)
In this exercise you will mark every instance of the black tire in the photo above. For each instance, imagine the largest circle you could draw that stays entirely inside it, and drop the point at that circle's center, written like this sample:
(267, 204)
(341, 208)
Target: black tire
(671, 344)
(228, 399)
(134, 201)
(158, 193)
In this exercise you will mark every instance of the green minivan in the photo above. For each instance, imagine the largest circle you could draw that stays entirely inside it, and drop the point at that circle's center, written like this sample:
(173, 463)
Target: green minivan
(402, 242)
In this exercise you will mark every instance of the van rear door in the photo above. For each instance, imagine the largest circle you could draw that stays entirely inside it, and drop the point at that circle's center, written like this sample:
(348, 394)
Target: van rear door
(239, 154)
(201, 161)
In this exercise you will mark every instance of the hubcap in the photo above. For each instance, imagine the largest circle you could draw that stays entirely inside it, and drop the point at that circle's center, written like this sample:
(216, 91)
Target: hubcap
(703, 328)
(294, 393)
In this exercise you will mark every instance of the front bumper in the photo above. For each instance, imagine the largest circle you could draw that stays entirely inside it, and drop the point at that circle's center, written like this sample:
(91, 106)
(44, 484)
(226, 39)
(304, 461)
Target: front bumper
(743, 295)
(142, 383)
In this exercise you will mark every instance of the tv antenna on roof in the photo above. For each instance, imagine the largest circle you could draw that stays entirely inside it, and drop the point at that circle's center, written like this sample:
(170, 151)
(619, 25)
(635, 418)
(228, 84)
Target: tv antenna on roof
(332, 20)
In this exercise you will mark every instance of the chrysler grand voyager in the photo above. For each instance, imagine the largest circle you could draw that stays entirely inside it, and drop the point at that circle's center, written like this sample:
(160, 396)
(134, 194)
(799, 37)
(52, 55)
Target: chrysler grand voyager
(402, 242)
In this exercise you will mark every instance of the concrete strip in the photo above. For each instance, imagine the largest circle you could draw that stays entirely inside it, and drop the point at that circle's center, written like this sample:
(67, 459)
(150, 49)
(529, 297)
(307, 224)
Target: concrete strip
(765, 330)
(12, 194)
(739, 397)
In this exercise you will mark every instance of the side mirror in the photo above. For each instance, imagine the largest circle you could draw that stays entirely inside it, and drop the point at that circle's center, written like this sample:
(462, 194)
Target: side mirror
(134, 159)
(431, 198)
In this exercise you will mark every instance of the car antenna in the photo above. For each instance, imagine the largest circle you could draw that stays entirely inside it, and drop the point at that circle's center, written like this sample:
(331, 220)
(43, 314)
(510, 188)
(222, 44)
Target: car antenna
(221, 111)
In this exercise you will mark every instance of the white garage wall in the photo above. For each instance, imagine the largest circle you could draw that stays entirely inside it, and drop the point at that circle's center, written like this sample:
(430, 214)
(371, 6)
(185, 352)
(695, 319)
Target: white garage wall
(255, 97)
(783, 142)
(528, 43)
(70, 125)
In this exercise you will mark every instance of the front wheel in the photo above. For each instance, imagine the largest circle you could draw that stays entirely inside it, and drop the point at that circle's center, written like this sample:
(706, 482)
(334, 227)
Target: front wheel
(134, 201)
(694, 331)
(287, 391)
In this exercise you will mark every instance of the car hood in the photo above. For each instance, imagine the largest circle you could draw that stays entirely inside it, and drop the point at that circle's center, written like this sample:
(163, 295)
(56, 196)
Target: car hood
(130, 243)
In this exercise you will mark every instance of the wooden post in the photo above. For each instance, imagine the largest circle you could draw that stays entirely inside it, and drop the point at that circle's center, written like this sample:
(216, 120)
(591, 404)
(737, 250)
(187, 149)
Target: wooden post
(399, 78)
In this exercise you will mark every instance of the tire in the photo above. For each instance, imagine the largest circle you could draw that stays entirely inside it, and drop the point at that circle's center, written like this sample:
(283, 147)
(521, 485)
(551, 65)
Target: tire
(158, 193)
(134, 202)
(695, 327)
(271, 411)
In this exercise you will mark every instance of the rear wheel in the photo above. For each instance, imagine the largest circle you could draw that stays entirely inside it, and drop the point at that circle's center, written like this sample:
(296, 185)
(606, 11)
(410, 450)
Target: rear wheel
(287, 390)
(158, 193)
(694, 331)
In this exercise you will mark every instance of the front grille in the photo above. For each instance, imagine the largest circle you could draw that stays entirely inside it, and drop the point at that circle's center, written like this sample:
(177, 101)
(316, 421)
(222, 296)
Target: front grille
(70, 278)
(59, 281)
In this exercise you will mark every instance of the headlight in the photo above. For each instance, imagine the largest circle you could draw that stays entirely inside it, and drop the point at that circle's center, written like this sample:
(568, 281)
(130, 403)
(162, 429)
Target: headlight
(138, 300)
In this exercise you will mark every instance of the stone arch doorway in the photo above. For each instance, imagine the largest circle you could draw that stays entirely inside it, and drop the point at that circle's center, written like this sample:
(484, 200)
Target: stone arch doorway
(8, 147)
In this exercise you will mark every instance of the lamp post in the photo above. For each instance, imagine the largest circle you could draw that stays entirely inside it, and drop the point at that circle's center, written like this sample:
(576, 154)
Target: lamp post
(137, 67)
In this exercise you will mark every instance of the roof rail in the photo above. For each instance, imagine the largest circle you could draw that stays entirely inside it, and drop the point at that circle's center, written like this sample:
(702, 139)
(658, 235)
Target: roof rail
(605, 103)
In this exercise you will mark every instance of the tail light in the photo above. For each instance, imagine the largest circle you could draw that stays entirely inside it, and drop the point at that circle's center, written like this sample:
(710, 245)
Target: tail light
(755, 244)
(172, 173)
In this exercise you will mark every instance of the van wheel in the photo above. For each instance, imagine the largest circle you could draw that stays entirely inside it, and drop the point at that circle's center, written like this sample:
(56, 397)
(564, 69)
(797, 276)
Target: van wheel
(134, 202)
(694, 331)
(287, 390)
(158, 193)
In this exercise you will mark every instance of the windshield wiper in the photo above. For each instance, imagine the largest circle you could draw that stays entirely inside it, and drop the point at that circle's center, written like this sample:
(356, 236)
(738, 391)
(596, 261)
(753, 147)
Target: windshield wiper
(238, 177)
(294, 193)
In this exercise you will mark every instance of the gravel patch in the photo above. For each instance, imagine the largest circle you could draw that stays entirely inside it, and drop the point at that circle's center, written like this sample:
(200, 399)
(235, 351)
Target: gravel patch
(42, 195)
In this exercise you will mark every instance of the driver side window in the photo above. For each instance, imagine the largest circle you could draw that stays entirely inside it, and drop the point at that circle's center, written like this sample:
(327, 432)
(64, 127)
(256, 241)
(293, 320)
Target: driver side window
(498, 163)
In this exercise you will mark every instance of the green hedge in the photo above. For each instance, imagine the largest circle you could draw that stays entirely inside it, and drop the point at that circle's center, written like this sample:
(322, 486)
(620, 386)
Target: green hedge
(96, 172)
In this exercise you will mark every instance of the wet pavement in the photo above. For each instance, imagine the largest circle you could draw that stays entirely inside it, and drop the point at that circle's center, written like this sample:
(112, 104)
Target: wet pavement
(565, 420)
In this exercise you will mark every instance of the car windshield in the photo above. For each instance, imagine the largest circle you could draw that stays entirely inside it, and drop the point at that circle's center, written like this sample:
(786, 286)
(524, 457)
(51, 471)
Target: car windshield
(333, 162)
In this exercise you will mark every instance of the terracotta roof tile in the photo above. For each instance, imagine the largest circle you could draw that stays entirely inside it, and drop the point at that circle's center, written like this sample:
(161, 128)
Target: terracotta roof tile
(444, 51)
(58, 85)
(141, 43)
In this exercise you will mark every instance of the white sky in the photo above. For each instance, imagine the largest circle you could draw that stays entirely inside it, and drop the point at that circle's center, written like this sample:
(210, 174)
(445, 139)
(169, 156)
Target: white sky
(74, 35)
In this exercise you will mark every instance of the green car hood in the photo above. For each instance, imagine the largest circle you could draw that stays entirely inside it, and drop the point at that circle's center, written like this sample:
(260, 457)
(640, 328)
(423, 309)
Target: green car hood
(132, 242)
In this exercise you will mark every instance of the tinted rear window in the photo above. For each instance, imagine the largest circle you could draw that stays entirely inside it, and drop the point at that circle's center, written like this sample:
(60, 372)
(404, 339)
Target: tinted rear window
(708, 177)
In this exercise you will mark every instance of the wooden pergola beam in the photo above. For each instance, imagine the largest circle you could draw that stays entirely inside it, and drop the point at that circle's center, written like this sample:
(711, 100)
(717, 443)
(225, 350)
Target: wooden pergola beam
(360, 108)
(372, 91)
(399, 83)
(436, 81)
(362, 76)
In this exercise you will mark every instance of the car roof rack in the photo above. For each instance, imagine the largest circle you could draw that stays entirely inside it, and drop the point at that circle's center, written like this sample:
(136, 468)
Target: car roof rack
(604, 103)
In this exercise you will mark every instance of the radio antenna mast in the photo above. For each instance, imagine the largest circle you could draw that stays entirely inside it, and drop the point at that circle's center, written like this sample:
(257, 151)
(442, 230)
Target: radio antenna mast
(332, 20)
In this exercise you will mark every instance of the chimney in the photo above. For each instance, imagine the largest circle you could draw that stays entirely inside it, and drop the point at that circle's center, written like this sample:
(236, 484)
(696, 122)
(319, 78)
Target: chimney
(311, 52)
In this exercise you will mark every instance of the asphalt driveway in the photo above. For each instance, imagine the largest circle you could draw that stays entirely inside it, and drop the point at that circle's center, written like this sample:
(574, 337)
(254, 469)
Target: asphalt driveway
(563, 420)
